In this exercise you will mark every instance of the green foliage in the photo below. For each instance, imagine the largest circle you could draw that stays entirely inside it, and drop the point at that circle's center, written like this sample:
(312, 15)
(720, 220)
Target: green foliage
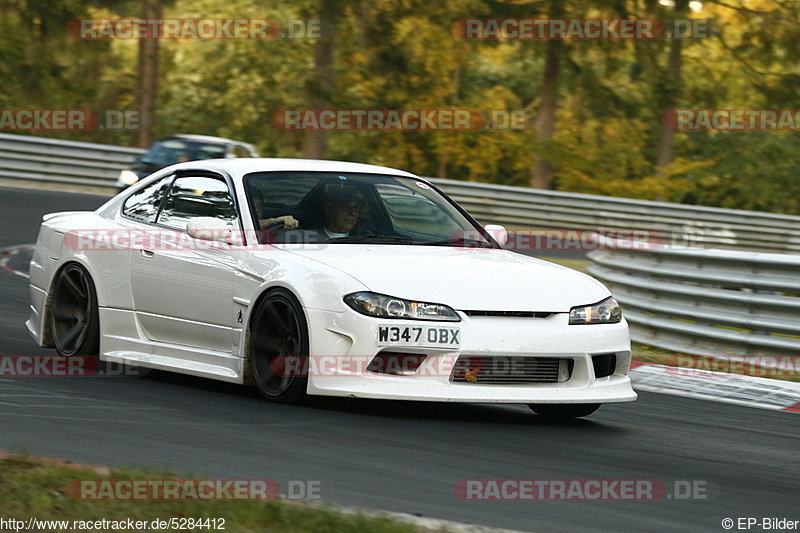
(391, 54)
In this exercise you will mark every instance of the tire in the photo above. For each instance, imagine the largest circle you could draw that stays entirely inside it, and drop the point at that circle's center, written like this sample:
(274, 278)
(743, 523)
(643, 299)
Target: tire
(279, 348)
(564, 410)
(74, 320)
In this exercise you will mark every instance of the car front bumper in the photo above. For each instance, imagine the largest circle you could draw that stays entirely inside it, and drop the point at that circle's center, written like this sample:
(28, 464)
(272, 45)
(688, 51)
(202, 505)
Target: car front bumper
(343, 344)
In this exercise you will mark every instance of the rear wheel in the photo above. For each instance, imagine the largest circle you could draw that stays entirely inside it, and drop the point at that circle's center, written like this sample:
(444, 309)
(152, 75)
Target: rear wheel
(564, 410)
(74, 321)
(279, 348)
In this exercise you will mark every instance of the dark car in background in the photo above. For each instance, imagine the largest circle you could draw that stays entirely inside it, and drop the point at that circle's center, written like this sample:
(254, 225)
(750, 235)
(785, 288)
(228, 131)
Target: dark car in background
(181, 148)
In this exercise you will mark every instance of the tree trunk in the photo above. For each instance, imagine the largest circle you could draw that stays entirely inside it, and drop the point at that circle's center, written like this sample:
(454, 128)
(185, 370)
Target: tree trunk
(315, 143)
(671, 94)
(542, 172)
(444, 158)
(148, 77)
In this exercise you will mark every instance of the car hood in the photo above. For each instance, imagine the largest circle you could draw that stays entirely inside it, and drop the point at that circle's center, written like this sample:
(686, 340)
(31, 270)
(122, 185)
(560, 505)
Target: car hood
(464, 278)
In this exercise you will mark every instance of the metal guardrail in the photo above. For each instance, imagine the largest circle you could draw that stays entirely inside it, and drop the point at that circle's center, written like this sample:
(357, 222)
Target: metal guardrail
(56, 161)
(706, 302)
(44, 160)
(671, 224)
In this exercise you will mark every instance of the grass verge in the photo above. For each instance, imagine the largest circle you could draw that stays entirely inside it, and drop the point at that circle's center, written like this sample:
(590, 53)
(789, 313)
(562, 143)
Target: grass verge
(785, 370)
(38, 488)
(576, 264)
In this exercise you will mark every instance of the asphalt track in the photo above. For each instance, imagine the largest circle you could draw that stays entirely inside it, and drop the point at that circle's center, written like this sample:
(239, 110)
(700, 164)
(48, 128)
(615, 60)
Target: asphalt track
(396, 456)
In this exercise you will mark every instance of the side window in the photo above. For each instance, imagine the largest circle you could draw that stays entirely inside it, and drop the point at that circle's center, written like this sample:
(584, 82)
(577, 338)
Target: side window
(144, 204)
(274, 197)
(197, 196)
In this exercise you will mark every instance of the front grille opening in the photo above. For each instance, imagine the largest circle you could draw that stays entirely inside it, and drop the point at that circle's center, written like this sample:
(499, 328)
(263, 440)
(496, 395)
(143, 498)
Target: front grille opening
(511, 370)
(395, 363)
(516, 314)
(604, 364)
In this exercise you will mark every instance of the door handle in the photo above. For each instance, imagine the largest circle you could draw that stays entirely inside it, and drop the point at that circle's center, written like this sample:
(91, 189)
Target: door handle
(147, 253)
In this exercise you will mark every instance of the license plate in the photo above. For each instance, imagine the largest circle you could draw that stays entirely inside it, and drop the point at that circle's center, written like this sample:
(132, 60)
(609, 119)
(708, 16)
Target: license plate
(419, 336)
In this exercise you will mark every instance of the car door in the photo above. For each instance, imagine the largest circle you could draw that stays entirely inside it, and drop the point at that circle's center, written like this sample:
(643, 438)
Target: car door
(183, 287)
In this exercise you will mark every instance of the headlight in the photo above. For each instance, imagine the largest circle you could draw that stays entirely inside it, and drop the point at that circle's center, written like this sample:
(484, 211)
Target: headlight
(127, 177)
(605, 312)
(382, 306)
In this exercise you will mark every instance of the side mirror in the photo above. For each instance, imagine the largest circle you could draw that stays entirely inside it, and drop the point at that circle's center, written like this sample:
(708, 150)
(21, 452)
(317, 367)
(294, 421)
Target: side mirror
(211, 229)
(498, 233)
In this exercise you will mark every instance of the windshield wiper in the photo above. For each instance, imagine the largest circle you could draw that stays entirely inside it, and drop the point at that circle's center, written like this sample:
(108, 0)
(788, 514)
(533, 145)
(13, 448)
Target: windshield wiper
(460, 242)
(371, 239)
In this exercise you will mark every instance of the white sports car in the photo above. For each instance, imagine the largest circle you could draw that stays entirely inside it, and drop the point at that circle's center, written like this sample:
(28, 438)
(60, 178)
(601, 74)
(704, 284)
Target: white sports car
(324, 278)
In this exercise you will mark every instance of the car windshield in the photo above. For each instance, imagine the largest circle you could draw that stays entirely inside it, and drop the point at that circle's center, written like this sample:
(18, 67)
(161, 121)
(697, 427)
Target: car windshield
(170, 151)
(354, 208)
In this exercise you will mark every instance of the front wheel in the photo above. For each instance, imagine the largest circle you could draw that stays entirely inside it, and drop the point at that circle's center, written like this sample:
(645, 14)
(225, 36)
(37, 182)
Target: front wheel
(564, 410)
(279, 348)
(74, 321)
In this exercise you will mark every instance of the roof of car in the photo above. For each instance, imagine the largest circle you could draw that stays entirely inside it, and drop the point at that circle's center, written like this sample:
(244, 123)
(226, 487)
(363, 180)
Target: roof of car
(247, 165)
(203, 138)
